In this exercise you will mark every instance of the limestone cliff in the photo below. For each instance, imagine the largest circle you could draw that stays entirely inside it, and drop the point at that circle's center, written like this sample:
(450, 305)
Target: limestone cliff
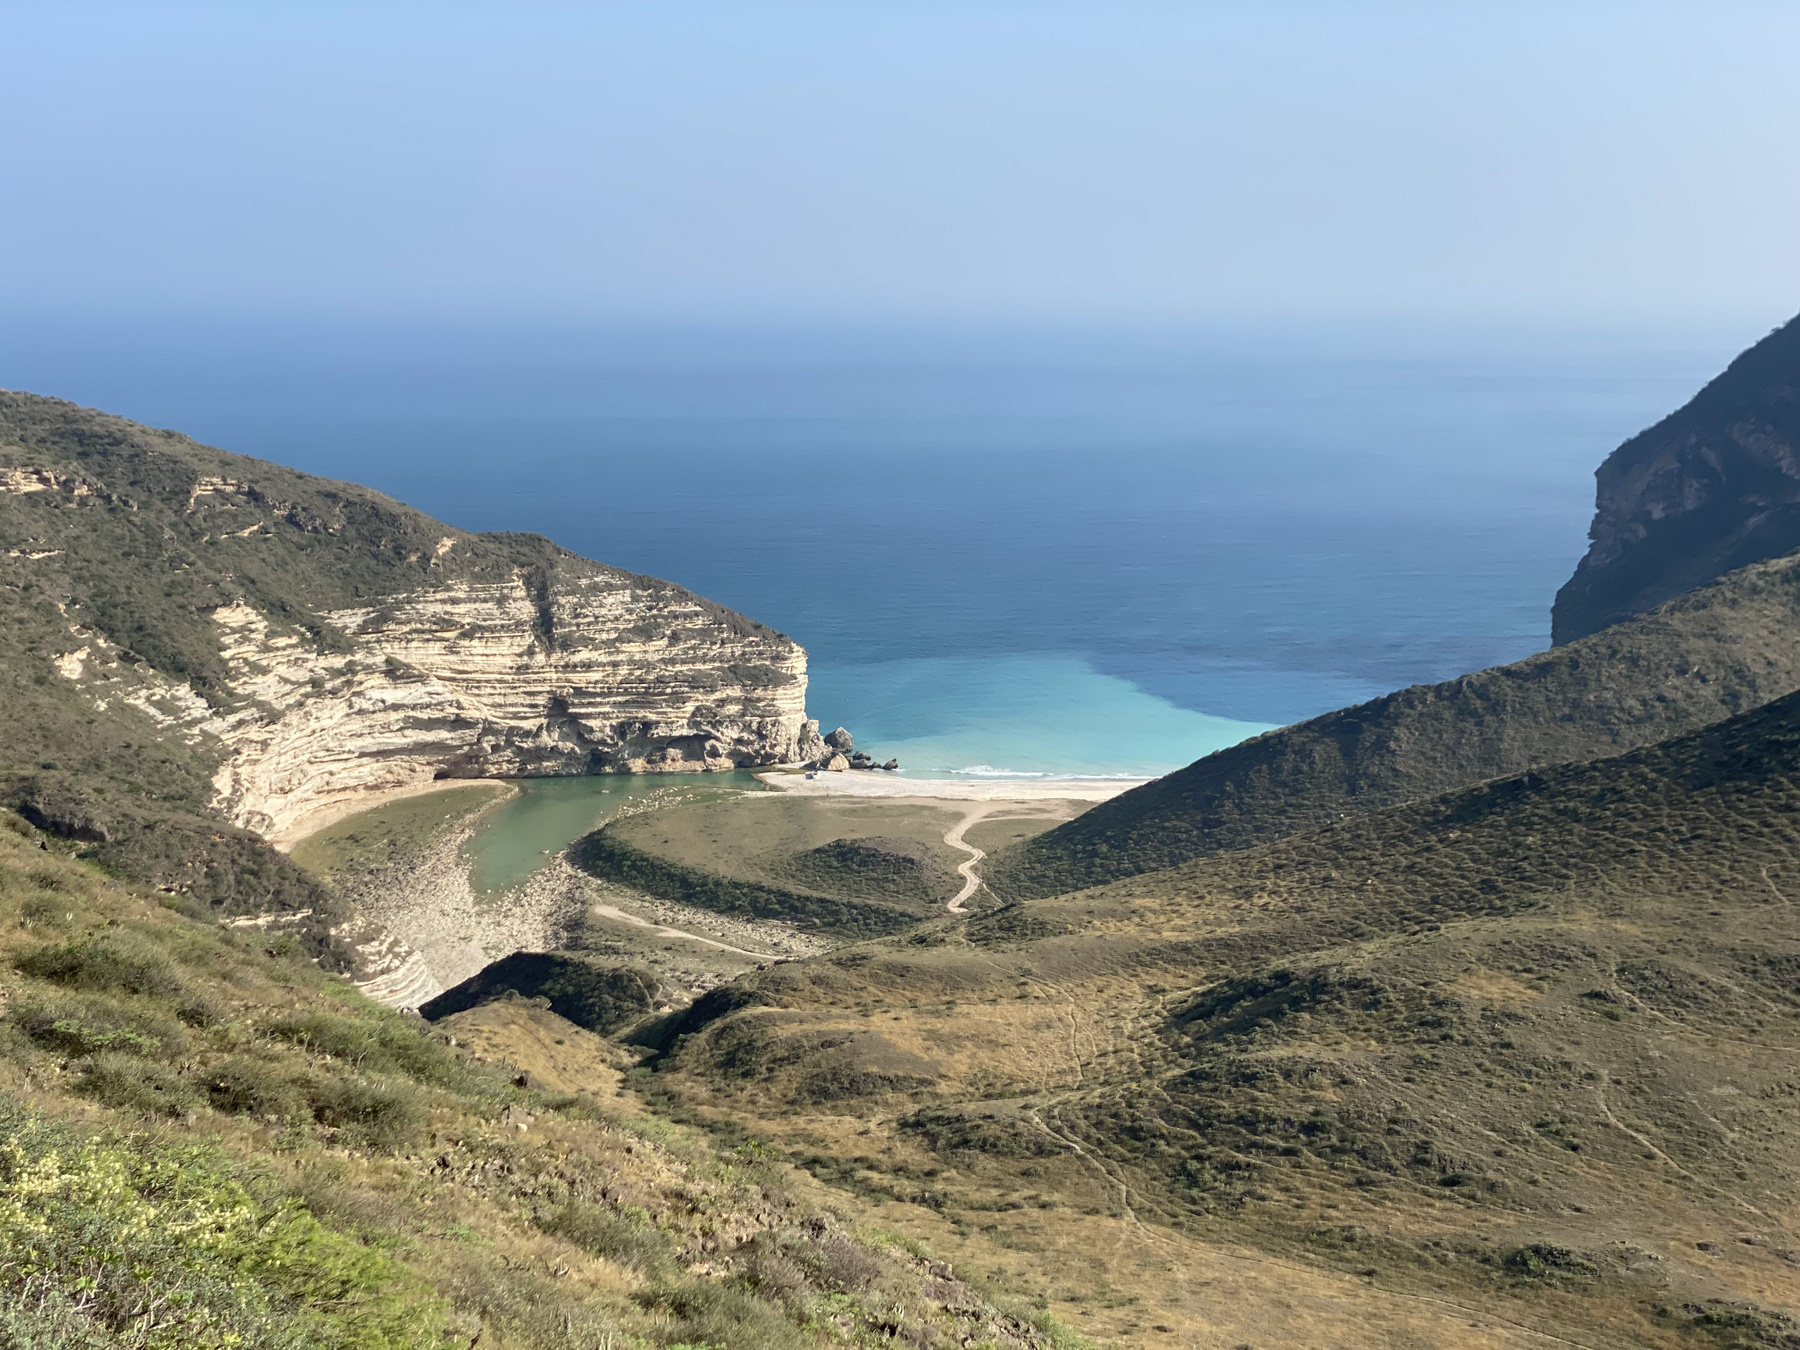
(1710, 488)
(297, 640)
(470, 680)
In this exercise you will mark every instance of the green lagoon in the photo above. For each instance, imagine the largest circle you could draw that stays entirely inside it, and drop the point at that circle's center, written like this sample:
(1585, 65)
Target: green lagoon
(523, 834)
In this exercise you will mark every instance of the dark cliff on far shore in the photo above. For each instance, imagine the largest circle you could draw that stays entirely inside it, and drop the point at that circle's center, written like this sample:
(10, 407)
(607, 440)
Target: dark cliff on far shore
(1710, 488)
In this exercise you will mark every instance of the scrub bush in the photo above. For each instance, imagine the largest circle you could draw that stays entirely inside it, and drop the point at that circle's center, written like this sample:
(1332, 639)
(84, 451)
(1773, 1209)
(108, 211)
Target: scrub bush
(128, 1243)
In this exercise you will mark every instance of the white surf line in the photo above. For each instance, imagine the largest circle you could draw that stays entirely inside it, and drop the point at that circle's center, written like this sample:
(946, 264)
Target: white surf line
(867, 783)
(658, 930)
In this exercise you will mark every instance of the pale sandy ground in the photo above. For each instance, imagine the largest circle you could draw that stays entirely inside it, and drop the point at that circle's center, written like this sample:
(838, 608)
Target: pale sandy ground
(352, 803)
(875, 783)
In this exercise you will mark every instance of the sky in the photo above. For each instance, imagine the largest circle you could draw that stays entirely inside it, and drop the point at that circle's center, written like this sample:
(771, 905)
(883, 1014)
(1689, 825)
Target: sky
(1045, 162)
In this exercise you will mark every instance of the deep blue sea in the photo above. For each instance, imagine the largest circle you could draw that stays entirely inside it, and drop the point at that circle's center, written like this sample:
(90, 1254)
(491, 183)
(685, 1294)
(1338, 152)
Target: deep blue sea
(1097, 552)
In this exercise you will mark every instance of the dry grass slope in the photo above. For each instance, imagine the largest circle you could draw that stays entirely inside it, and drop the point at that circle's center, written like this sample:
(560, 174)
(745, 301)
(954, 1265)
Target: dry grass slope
(1527, 1050)
(205, 1141)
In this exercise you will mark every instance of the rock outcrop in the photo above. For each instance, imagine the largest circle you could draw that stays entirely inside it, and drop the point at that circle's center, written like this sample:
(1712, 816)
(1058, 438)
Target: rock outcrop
(301, 641)
(1710, 488)
(836, 752)
(810, 745)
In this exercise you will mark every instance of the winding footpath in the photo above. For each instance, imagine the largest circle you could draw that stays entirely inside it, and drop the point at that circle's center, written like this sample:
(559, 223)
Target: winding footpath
(954, 838)
(658, 930)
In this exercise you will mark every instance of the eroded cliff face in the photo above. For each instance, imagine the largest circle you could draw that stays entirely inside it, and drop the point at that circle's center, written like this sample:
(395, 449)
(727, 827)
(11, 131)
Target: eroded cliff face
(1711, 488)
(593, 674)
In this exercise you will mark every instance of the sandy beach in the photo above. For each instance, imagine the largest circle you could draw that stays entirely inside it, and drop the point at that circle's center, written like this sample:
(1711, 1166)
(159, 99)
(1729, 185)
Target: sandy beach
(875, 783)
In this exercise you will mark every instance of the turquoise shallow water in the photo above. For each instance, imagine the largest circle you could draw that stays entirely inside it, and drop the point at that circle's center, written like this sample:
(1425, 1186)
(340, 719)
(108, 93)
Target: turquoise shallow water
(1084, 552)
(1027, 714)
(548, 814)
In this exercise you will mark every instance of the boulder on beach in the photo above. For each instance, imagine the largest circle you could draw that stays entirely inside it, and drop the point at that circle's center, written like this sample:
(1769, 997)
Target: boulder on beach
(837, 763)
(891, 764)
(840, 740)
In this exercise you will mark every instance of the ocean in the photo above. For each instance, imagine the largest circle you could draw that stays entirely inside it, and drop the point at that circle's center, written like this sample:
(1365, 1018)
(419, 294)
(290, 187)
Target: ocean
(1007, 552)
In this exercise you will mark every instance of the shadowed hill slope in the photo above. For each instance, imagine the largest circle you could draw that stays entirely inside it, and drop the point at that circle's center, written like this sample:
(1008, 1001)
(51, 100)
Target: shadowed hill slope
(1525, 1049)
(1726, 647)
(1711, 487)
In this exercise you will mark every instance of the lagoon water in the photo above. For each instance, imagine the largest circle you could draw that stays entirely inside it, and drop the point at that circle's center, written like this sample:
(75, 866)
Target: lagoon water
(519, 836)
(1097, 553)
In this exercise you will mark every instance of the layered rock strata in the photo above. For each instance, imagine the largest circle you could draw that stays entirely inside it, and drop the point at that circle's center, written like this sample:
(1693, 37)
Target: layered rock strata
(460, 683)
(464, 682)
(304, 642)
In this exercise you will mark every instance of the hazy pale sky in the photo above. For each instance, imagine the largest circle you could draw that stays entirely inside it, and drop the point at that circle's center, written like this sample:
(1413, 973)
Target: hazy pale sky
(870, 160)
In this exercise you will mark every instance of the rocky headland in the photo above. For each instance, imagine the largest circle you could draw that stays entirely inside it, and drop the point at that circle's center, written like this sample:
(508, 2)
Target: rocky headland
(1712, 487)
(306, 641)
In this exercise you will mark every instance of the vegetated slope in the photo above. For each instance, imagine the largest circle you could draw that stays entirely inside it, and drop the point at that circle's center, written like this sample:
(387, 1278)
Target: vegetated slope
(1528, 1048)
(186, 632)
(1711, 487)
(610, 855)
(846, 865)
(204, 1142)
(1726, 647)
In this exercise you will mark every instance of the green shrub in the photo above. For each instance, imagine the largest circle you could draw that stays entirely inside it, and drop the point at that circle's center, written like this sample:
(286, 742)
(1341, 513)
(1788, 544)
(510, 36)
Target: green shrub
(55, 1321)
(103, 964)
(369, 1113)
(774, 1275)
(382, 1044)
(88, 1025)
(127, 1243)
(127, 1083)
(707, 1313)
(1542, 1261)
(122, 966)
(45, 911)
(54, 879)
(518, 1308)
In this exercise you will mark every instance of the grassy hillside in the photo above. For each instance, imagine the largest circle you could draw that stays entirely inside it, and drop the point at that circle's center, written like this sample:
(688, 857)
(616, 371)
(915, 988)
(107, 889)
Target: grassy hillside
(1726, 647)
(847, 866)
(1526, 1051)
(206, 1142)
